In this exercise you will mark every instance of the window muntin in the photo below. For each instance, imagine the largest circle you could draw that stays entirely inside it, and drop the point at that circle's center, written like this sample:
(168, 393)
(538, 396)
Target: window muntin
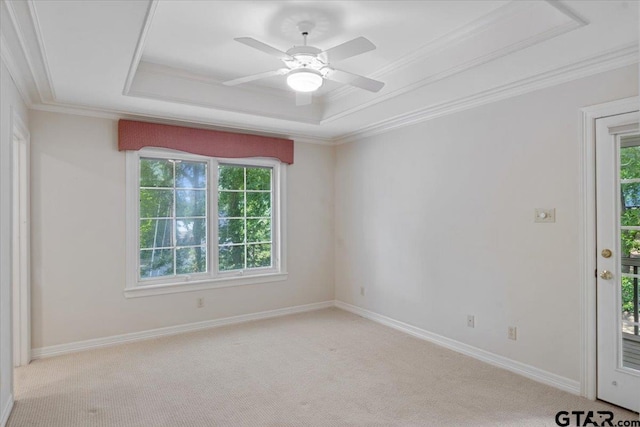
(245, 199)
(173, 217)
(172, 221)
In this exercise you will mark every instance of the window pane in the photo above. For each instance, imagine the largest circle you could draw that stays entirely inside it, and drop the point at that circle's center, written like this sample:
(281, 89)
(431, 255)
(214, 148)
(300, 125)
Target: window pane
(191, 231)
(259, 204)
(630, 217)
(191, 175)
(230, 231)
(191, 260)
(191, 203)
(258, 178)
(231, 258)
(156, 173)
(230, 204)
(629, 162)
(258, 230)
(630, 243)
(230, 177)
(156, 263)
(630, 195)
(155, 233)
(156, 203)
(259, 256)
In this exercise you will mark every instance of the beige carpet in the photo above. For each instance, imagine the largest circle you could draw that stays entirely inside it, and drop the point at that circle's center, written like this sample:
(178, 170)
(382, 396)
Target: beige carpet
(324, 368)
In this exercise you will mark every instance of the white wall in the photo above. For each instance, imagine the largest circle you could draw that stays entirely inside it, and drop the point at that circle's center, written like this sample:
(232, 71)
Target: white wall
(435, 221)
(9, 101)
(78, 239)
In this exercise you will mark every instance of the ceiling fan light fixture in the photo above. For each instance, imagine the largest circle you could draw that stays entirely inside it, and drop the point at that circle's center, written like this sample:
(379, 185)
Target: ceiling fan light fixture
(304, 80)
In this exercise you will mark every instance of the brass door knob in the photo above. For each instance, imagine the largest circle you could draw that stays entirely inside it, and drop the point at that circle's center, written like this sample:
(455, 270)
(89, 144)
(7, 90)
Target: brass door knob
(606, 275)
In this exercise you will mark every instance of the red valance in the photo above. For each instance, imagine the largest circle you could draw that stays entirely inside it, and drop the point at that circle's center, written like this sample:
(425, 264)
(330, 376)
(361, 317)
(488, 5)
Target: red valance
(133, 135)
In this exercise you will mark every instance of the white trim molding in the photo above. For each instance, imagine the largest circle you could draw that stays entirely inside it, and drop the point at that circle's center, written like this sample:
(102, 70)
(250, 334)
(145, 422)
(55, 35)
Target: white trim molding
(213, 277)
(21, 248)
(104, 113)
(173, 288)
(618, 58)
(137, 55)
(587, 236)
(471, 31)
(519, 368)
(23, 42)
(6, 411)
(56, 350)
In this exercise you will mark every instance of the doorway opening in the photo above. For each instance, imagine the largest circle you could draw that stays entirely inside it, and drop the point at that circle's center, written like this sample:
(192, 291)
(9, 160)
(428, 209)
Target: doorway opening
(21, 280)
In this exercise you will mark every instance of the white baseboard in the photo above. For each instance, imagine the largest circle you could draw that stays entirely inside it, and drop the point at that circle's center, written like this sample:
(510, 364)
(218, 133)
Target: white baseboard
(525, 370)
(6, 411)
(55, 350)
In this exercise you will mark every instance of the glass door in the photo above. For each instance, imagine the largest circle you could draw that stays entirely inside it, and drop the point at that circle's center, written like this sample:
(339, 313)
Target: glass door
(618, 241)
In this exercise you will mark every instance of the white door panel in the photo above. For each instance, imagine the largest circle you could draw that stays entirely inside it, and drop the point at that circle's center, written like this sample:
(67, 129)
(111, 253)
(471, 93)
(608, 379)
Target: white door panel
(618, 258)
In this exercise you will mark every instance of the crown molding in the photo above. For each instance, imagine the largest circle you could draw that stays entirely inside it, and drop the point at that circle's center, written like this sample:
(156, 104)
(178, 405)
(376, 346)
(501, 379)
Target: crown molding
(79, 111)
(42, 58)
(565, 9)
(23, 40)
(210, 105)
(142, 39)
(453, 37)
(8, 59)
(312, 140)
(475, 29)
(467, 32)
(170, 71)
(112, 114)
(616, 58)
(23, 51)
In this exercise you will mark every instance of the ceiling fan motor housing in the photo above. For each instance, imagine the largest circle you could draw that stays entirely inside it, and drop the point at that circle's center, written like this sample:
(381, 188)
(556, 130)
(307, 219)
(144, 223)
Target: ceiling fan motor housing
(305, 57)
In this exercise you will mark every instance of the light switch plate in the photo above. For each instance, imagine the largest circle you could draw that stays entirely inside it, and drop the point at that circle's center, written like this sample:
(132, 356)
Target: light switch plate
(545, 215)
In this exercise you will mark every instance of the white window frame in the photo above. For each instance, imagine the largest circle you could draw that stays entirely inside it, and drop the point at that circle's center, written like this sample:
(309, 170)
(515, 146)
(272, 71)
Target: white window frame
(136, 287)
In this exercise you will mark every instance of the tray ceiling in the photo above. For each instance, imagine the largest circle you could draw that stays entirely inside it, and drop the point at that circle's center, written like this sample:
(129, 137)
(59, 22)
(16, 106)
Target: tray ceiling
(168, 59)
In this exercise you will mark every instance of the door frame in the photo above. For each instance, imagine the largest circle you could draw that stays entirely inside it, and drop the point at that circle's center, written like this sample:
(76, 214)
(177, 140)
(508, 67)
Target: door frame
(587, 236)
(21, 248)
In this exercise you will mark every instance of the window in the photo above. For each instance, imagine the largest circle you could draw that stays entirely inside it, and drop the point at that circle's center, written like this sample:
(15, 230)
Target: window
(196, 222)
(173, 217)
(244, 217)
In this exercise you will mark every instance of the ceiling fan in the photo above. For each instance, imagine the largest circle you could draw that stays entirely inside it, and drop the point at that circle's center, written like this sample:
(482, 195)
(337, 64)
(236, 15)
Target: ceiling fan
(306, 67)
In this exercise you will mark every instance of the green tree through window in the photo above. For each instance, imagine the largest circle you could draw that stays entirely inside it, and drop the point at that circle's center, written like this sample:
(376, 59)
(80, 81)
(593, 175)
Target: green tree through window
(199, 222)
(244, 217)
(630, 216)
(173, 217)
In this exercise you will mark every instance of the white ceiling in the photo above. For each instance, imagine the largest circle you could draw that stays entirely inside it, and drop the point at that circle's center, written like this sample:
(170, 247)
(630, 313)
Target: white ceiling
(167, 59)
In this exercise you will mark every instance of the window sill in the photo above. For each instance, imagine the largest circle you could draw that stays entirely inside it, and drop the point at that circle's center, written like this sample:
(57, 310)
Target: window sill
(172, 288)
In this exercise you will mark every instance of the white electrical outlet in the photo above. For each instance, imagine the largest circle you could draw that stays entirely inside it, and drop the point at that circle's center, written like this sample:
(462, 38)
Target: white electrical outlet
(512, 333)
(471, 321)
(200, 303)
(362, 290)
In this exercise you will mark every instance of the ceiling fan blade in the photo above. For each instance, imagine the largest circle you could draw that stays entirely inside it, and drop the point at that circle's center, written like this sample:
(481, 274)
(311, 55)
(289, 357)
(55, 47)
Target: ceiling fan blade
(251, 42)
(349, 49)
(258, 76)
(354, 80)
(303, 98)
